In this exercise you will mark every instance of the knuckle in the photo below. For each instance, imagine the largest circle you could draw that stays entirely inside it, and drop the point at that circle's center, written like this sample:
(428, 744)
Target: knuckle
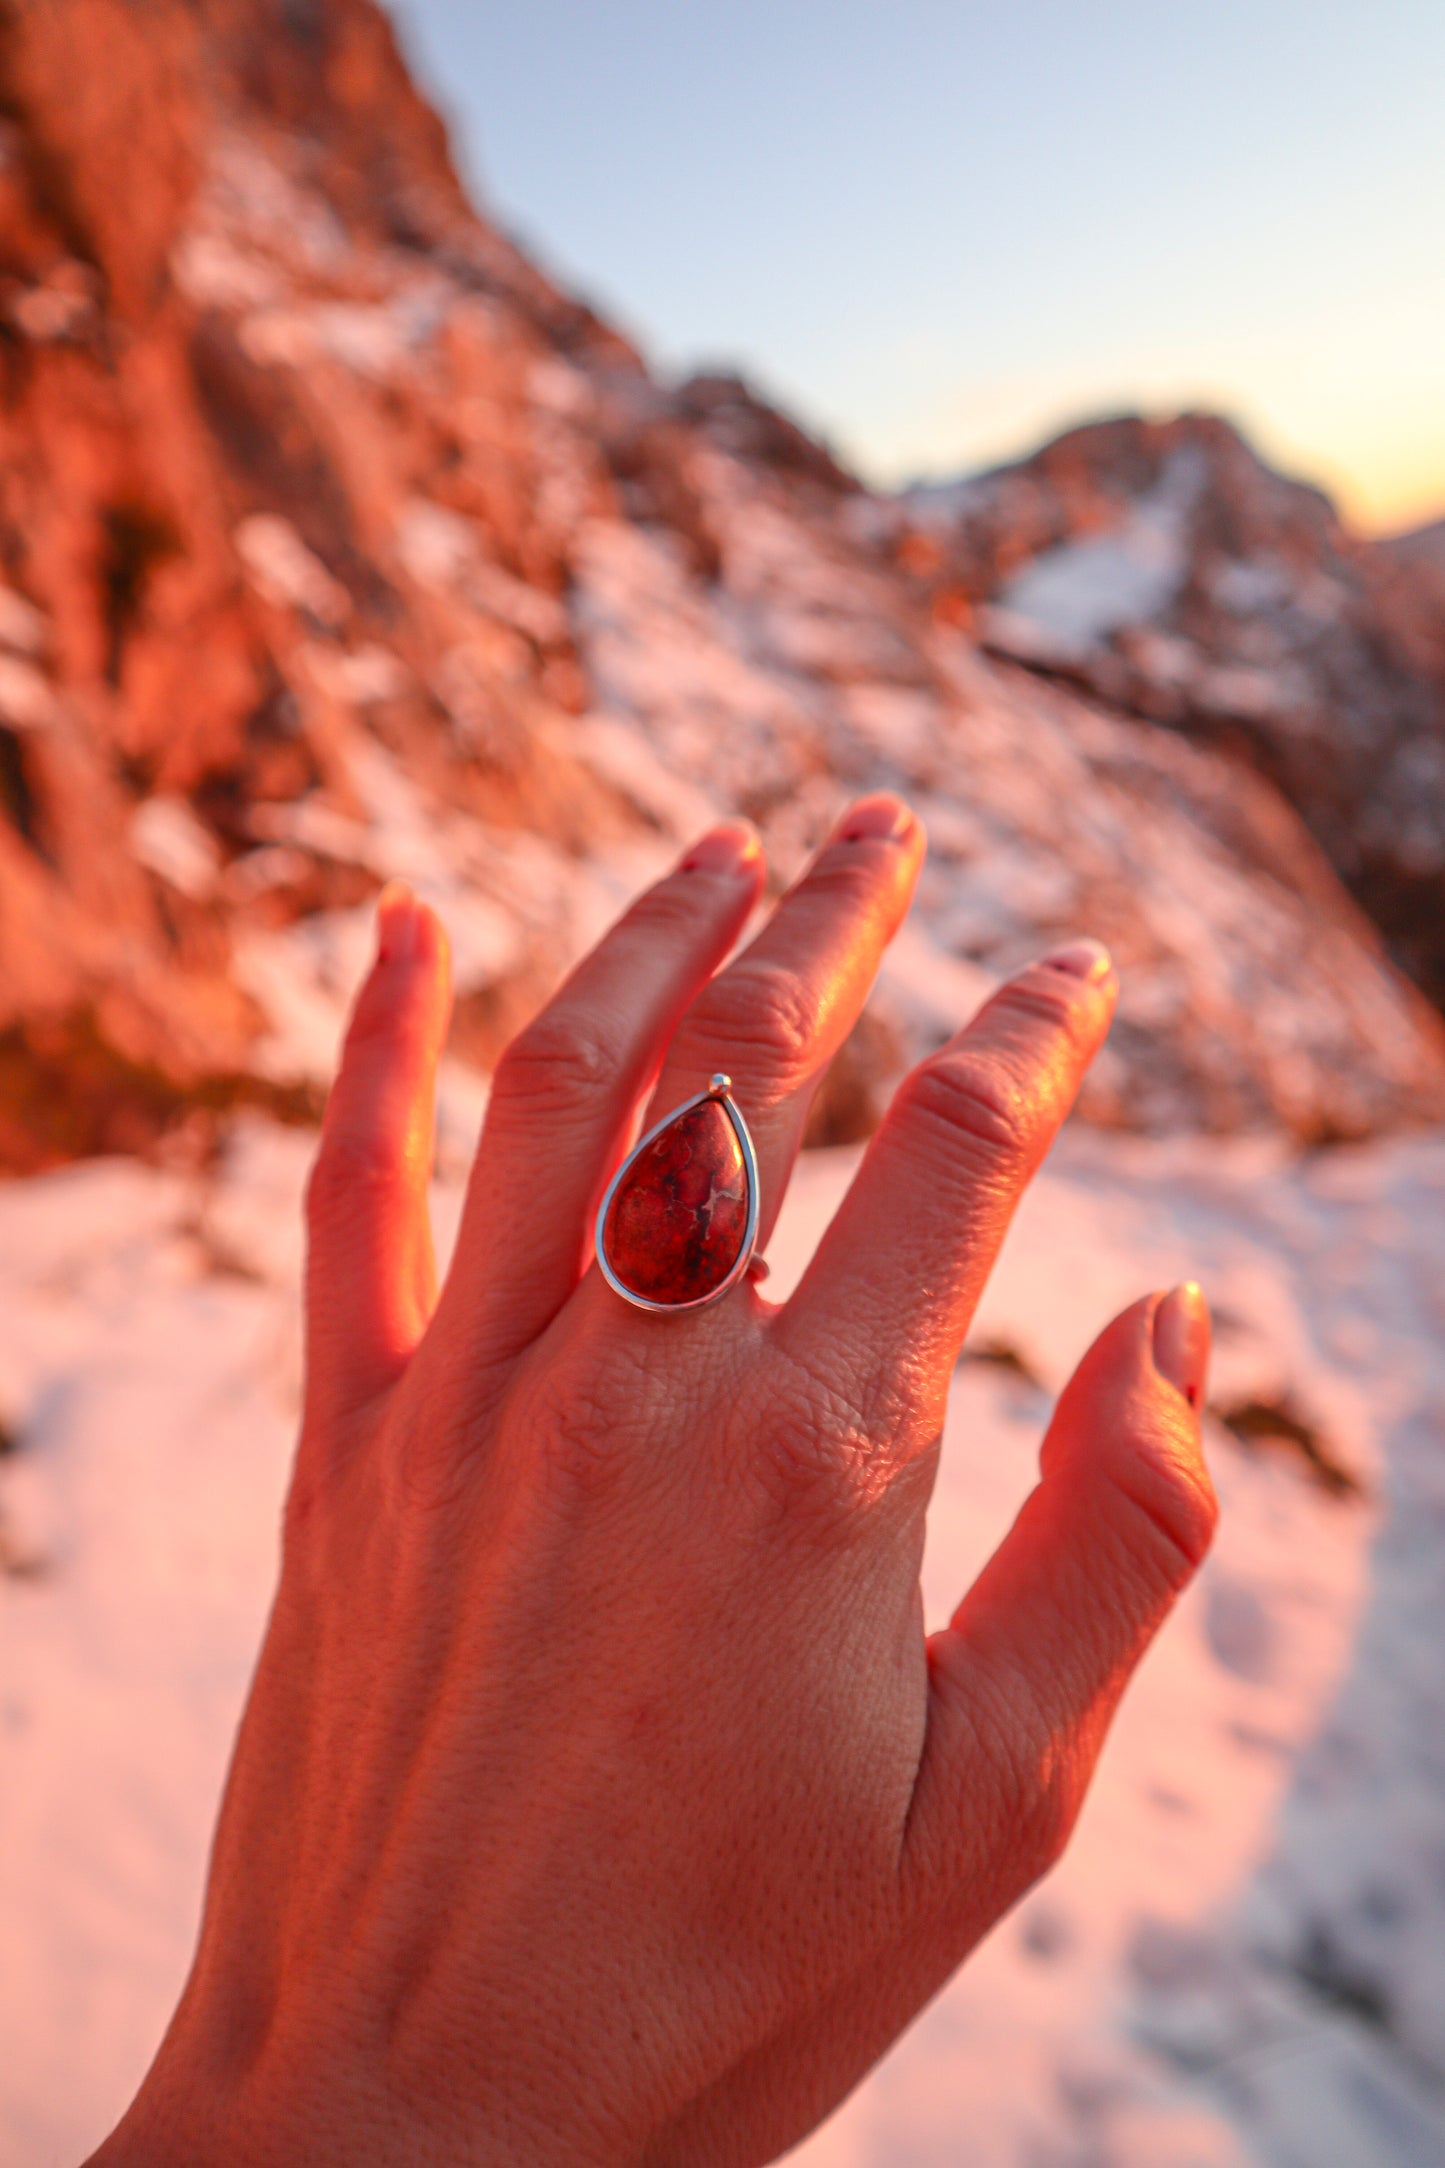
(589, 1416)
(354, 1167)
(426, 1477)
(903, 1413)
(812, 1454)
(372, 1025)
(977, 1104)
(1034, 1787)
(844, 874)
(674, 906)
(1045, 1809)
(1176, 1512)
(310, 1510)
(333, 1491)
(584, 1458)
(301, 1518)
(1051, 1027)
(556, 1062)
(762, 1011)
(1050, 998)
(392, 1019)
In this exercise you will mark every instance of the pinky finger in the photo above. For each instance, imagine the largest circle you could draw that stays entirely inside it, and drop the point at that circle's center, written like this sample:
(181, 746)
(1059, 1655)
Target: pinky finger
(370, 1277)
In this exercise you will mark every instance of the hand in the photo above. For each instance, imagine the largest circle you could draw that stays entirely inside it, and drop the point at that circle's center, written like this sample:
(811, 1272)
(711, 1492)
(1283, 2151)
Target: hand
(599, 1798)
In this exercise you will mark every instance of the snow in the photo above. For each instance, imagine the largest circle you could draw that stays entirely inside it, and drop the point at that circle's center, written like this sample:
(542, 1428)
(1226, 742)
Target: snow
(212, 272)
(1081, 591)
(529, 609)
(166, 836)
(285, 571)
(439, 549)
(780, 673)
(1270, 1792)
(621, 757)
(23, 628)
(1240, 1960)
(505, 896)
(559, 388)
(251, 195)
(436, 546)
(368, 676)
(1251, 585)
(369, 338)
(1243, 1003)
(27, 701)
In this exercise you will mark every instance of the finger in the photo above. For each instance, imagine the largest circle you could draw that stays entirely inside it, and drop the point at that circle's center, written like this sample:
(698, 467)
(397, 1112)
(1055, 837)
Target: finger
(775, 1017)
(370, 1278)
(1025, 1679)
(1021, 1688)
(893, 1285)
(566, 1091)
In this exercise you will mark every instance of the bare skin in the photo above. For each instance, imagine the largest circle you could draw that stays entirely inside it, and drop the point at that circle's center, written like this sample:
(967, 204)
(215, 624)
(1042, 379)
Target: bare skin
(599, 1798)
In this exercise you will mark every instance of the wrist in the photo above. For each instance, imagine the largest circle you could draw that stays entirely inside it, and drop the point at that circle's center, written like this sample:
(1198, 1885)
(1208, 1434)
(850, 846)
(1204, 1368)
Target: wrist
(190, 2113)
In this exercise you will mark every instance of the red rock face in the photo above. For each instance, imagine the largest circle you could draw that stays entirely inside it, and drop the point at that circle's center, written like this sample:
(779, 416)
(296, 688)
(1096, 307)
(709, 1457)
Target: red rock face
(1277, 634)
(307, 473)
(676, 1224)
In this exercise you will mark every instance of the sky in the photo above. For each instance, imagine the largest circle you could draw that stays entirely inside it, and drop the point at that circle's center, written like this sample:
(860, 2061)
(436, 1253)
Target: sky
(938, 232)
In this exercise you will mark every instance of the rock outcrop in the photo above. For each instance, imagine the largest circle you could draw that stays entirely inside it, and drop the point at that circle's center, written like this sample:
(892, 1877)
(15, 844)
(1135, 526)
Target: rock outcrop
(336, 542)
(1164, 567)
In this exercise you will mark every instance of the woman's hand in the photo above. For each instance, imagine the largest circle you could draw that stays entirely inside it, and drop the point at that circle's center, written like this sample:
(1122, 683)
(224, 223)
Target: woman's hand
(599, 1798)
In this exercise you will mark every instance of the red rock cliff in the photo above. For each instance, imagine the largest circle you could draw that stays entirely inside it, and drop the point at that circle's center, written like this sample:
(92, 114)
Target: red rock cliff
(336, 541)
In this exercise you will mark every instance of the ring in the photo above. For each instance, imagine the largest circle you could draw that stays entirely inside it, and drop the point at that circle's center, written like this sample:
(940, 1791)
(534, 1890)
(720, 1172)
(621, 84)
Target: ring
(678, 1223)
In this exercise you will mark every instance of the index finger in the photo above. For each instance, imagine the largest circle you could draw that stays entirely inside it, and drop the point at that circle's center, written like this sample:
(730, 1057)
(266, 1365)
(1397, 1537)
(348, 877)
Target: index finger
(896, 1278)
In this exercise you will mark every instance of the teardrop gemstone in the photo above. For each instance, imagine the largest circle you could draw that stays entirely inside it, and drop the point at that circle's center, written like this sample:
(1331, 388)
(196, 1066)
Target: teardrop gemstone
(679, 1215)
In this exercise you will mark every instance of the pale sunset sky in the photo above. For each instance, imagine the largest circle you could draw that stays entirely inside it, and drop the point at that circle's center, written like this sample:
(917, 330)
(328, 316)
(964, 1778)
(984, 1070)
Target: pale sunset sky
(939, 231)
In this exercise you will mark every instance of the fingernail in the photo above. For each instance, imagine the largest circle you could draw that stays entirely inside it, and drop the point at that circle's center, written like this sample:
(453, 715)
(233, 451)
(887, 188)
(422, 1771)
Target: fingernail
(1085, 959)
(875, 820)
(733, 847)
(1181, 1340)
(398, 924)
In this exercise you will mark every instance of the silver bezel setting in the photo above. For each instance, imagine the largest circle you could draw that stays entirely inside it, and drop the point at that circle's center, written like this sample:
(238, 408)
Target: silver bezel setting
(720, 1090)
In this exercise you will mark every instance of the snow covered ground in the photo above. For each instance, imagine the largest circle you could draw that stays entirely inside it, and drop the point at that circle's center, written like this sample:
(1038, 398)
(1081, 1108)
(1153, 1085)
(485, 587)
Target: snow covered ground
(1240, 1959)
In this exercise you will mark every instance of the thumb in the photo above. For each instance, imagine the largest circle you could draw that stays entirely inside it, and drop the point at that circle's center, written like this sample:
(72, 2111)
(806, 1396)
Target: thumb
(1024, 1680)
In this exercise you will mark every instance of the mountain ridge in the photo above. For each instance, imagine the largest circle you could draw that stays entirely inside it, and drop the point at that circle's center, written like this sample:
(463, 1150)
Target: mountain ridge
(1164, 566)
(337, 542)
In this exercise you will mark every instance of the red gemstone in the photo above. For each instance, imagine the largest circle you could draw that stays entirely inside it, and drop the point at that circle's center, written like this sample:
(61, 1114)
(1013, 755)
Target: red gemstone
(678, 1217)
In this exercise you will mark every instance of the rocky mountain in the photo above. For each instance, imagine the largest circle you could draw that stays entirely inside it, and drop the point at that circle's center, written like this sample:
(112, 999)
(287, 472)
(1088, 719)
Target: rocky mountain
(1423, 545)
(1422, 551)
(336, 542)
(1165, 568)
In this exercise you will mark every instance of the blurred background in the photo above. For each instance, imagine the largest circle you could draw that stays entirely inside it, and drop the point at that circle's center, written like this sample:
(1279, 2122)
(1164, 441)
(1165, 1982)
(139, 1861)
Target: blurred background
(1037, 414)
(944, 234)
